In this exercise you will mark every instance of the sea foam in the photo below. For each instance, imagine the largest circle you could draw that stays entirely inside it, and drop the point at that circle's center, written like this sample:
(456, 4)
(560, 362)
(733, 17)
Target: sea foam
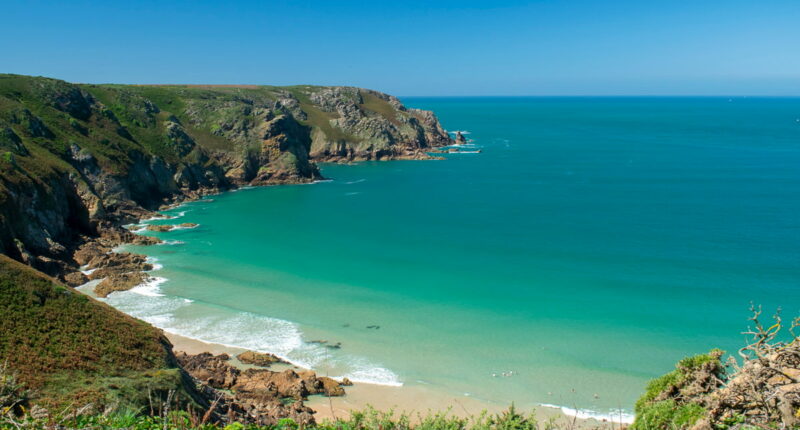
(216, 324)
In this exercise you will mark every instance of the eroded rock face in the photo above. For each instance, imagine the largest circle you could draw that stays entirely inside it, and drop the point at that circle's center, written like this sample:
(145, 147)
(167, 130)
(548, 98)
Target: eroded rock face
(257, 393)
(217, 372)
(393, 133)
(212, 370)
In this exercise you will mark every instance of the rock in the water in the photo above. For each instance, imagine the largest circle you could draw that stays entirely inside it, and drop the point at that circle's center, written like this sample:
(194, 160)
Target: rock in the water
(116, 263)
(120, 282)
(166, 227)
(460, 139)
(160, 228)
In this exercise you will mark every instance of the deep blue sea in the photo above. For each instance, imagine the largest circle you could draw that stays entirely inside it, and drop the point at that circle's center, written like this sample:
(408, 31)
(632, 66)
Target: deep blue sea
(591, 244)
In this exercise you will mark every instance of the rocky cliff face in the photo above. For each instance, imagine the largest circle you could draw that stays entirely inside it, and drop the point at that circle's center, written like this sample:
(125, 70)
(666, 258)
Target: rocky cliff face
(78, 158)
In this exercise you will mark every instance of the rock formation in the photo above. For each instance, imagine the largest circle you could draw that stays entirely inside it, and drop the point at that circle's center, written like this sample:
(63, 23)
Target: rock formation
(460, 139)
(258, 393)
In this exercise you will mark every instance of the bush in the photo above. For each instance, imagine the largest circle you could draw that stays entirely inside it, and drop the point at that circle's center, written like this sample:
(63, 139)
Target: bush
(665, 403)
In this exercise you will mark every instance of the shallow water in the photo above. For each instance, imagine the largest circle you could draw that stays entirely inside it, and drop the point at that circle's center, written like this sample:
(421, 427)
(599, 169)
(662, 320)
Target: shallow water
(592, 244)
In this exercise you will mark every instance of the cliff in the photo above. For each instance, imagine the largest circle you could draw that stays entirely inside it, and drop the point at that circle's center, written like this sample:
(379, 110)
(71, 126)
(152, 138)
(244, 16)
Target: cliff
(76, 159)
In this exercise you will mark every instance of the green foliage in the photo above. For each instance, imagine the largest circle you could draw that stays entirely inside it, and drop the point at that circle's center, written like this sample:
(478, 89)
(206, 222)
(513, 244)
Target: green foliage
(656, 387)
(695, 362)
(378, 106)
(367, 419)
(668, 415)
(663, 407)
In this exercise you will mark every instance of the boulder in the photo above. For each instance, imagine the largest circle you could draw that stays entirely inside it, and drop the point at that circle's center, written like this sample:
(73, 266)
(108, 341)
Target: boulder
(120, 282)
(258, 358)
(75, 279)
(160, 228)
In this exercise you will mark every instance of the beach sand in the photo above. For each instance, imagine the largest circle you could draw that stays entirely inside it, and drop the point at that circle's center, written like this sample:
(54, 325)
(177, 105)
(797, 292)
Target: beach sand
(413, 400)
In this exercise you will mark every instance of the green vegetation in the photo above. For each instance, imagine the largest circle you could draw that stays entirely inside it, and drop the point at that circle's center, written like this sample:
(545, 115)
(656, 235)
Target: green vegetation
(68, 349)
(670, 401)
(373, 103)
(368, 419)
(667, 414)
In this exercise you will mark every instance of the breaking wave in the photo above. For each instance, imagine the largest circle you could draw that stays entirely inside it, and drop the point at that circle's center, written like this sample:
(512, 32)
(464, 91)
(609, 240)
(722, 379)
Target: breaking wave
(216, 324)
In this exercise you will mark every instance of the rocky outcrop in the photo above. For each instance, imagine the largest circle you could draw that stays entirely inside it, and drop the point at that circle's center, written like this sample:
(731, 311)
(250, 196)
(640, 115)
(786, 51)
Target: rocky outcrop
(368, 125)
(119, 282)
(167, 227)
(460, 139)
(258, 393)
(217, 372)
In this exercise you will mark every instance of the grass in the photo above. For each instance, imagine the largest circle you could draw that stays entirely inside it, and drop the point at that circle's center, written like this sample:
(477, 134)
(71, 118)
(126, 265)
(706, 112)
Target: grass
(378, 106)
(71, 349)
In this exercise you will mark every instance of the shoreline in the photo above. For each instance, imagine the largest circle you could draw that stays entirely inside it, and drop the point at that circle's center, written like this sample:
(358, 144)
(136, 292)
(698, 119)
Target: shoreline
(414, 400)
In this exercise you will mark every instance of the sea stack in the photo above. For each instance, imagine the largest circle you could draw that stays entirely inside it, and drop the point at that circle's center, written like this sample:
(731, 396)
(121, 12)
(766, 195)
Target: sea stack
(460, 139)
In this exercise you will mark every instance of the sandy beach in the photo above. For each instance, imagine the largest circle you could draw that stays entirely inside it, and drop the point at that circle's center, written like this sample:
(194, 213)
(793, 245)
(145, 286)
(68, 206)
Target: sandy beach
(414, 401)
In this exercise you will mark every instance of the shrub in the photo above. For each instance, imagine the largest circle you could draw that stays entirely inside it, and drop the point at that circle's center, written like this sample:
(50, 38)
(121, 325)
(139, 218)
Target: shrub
(665, 403)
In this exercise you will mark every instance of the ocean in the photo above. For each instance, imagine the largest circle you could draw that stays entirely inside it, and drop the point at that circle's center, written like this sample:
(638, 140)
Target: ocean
(590, 245)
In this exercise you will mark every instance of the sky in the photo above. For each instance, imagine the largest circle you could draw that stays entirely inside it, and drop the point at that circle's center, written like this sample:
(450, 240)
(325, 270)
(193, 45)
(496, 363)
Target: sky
(415, 47)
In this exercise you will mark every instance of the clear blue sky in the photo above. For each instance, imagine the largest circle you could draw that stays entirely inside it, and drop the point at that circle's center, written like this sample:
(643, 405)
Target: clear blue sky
(411, 47)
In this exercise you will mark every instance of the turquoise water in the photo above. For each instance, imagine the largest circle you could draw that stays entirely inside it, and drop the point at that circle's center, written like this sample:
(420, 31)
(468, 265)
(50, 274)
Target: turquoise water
(592, 244)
